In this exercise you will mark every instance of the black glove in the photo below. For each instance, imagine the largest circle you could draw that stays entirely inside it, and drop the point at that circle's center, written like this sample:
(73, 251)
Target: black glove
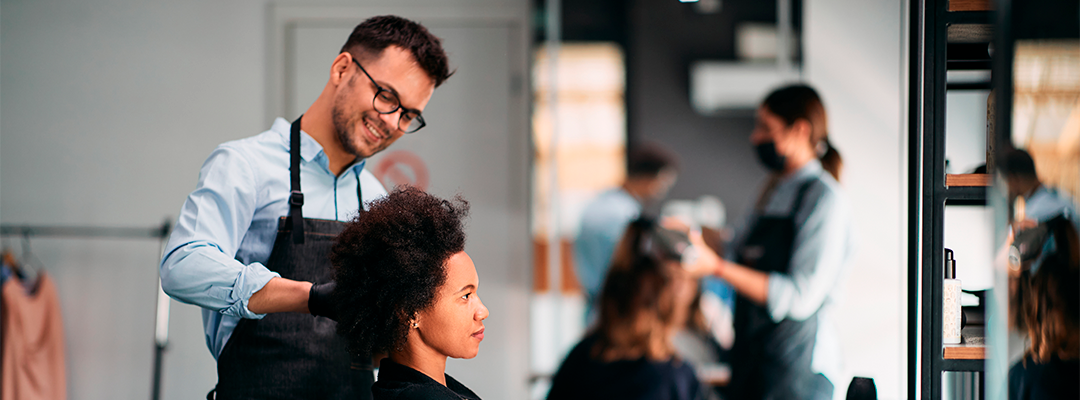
(319, 302)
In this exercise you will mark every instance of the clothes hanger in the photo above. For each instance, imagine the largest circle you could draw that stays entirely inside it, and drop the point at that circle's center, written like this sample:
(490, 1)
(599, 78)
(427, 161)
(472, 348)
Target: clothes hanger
(7, 256)
(31, 268)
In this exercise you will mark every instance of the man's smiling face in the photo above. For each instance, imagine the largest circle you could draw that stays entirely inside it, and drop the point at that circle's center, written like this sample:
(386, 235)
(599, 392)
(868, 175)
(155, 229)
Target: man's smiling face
(363, 131)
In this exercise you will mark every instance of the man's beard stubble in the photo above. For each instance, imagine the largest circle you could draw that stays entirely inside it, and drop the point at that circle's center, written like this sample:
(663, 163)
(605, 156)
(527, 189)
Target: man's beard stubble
(343, 129)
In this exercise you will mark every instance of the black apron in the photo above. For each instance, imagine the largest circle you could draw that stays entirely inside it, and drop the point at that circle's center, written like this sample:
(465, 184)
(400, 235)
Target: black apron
(771, 360)
(294, 355)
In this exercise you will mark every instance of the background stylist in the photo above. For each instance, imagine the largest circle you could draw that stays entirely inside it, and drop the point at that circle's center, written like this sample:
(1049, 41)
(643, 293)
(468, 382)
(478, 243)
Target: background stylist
(789, 256)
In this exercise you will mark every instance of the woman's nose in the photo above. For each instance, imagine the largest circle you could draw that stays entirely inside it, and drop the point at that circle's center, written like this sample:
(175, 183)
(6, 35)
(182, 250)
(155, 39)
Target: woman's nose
(482, 312)
(757, 137)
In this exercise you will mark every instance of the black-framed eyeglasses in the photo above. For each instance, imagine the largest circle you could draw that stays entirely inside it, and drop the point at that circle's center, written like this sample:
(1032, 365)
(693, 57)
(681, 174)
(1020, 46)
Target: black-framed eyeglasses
(386, 102)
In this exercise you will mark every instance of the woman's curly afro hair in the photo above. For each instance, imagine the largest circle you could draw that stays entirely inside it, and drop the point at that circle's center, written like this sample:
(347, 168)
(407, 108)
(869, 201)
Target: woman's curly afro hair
(388, 264)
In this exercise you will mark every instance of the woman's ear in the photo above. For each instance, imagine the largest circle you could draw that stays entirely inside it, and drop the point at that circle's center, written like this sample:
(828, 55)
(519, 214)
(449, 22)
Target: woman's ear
(802, 129)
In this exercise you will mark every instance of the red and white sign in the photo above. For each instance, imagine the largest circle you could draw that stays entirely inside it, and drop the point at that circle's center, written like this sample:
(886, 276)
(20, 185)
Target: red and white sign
(402, 167)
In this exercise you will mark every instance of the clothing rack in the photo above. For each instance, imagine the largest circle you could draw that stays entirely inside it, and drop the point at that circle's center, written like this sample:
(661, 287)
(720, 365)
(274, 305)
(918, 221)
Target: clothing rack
(159, 232)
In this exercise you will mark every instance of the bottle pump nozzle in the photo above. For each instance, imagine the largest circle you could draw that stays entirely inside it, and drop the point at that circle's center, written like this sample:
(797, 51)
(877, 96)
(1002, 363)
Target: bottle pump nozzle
(950, 265)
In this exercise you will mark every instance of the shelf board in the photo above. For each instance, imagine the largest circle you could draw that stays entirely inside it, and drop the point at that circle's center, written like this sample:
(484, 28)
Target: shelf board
(970, 354)
(973, 346)
(961, 352)
(970, 5)
(968, 180)
(970, 33)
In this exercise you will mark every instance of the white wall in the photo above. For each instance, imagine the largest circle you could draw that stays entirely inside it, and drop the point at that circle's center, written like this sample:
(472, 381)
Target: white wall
(108, 108)
(854, 55)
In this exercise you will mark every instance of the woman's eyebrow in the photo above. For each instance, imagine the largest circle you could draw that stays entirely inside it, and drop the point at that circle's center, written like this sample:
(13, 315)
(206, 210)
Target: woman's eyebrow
(467, 287)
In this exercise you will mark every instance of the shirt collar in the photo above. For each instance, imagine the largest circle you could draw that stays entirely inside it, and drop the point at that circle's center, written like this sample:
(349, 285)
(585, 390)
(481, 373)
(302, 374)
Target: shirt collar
(310, 149)
(811, 169)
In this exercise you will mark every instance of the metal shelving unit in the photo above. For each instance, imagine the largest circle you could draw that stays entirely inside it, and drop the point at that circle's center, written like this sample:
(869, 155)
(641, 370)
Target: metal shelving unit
(941, 40)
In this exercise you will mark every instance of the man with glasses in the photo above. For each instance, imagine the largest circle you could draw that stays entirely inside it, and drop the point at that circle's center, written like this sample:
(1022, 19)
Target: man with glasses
(251, 245)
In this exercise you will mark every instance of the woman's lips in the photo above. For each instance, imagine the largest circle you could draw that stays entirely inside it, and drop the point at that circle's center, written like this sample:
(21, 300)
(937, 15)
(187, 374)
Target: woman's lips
(479, 334)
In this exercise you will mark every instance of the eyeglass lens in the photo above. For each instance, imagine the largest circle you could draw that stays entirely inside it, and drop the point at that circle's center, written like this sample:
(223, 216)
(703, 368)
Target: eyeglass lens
(386, 102)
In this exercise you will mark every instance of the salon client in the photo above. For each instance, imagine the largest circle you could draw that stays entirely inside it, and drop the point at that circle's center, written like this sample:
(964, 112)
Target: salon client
(407, 288)
(250, 241)
(789, 256)
(629, 353)
(1044, 304)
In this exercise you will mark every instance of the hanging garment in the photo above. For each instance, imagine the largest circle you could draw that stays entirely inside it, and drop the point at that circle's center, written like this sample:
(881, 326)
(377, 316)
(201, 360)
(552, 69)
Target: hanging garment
(33, 342)
(294, 355)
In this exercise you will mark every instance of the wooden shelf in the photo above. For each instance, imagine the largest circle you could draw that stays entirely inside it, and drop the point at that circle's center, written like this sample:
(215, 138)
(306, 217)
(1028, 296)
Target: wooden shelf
(969, 33)
(969, 180)
(973, 346)
(970, 5)
(964, 352)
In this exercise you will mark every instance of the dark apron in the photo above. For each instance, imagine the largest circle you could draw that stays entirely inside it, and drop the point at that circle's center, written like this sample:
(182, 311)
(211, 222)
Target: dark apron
(294, 355)
(771, 360)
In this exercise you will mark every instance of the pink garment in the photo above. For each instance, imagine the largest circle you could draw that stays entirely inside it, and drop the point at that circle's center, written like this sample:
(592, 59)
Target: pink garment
(33, 342)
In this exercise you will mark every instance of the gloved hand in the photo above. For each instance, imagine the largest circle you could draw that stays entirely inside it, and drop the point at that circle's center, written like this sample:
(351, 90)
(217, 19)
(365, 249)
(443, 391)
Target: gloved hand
(319, 302)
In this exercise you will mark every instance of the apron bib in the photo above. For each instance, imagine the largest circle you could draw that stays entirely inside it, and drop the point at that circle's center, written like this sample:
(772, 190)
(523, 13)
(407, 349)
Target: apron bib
(771, 360)
(294, 355)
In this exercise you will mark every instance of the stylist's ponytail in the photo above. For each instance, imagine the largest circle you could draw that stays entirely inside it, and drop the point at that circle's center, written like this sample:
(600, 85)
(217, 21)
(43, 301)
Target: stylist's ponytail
(830, 159)
(795, 102)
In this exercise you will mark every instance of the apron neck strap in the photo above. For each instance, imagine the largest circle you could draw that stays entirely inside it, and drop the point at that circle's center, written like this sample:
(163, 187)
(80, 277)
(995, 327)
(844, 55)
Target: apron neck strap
(797, 204)
(296, 197)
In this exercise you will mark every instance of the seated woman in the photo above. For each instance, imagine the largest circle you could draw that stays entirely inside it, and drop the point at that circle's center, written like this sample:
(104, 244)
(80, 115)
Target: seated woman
(629, 354)
(1044, 299)
(405, 287)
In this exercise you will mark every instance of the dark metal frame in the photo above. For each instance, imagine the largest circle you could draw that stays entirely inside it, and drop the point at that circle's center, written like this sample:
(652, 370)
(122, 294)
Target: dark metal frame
(160, 232)
(928, 194)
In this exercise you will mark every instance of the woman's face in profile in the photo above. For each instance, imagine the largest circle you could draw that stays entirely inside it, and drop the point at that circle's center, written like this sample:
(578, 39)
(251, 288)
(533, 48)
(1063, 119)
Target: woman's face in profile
(770, 128)
(454, 325)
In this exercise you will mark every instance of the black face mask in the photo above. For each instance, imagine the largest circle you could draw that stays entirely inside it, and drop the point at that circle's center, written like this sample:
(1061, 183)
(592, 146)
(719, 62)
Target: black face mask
(767, 156)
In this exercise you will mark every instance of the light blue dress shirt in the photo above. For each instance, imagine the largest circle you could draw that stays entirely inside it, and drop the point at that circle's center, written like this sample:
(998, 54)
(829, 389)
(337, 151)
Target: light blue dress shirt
(603, 222)
(1046, 203)
(216, 255)
(1043, 205)
(824, 245)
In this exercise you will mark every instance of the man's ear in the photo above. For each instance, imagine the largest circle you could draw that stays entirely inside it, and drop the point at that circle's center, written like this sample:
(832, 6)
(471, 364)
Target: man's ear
(340, 68)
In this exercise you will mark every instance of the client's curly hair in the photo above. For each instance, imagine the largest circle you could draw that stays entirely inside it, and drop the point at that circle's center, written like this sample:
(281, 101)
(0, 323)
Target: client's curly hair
(388, 263)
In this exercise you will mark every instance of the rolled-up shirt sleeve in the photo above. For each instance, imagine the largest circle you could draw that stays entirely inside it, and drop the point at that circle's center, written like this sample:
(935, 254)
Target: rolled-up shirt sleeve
(199, 266)
(818, 261)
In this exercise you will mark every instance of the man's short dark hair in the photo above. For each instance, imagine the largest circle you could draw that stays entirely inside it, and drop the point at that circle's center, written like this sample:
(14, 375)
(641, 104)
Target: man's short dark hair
(388, 264)
(375, 34)
(1019, 163)
(647, 160)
